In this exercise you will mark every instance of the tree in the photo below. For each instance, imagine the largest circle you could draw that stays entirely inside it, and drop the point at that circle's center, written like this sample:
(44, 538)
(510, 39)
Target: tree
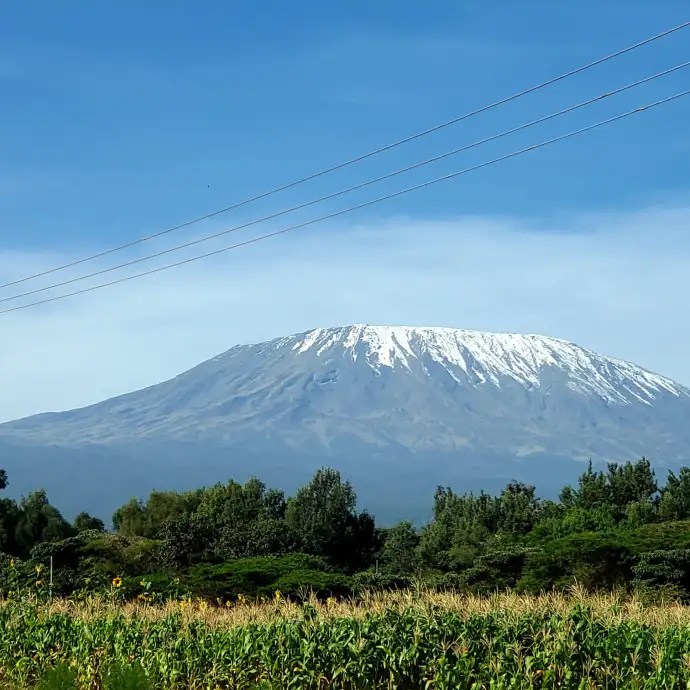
(8, 519)
(187, 540)
(38, 522)
(520, 508)
(274, 505)
(130, 519)
(139, 519)
(322, 514)
(85, 522)
(618, 486)
(463, 525)
(674, 503)
(259, 538)
(631, 482)
(399, 554)
(591, 492)
(235, 504)
(9, 516)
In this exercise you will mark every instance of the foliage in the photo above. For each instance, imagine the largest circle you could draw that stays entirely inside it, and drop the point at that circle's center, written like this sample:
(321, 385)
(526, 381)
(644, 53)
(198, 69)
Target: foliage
(231, 543)
(262, 577)
(87, 523)
(674, 502)
(399, 555)
(496, 570)
(663, 568)
(618, 486)
(590, 559)
(322, 515)
(412, 647)
(92, 558)
(60, 677)
(230, 538)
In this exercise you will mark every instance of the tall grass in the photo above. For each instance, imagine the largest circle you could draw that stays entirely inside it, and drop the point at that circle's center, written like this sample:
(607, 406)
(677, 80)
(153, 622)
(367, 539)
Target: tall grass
(398, 640)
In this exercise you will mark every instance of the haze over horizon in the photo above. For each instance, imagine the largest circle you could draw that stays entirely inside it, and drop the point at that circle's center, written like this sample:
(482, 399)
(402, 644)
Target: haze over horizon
(585, 240)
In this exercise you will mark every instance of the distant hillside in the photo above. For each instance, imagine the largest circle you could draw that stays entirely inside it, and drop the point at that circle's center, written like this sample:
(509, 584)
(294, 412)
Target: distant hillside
(399, 410)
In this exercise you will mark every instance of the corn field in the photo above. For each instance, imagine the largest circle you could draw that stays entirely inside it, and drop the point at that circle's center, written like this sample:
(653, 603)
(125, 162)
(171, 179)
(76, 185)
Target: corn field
(401, 640)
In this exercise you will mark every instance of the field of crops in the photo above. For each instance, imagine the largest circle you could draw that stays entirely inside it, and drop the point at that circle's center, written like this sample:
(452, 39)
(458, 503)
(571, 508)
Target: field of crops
(401, 640)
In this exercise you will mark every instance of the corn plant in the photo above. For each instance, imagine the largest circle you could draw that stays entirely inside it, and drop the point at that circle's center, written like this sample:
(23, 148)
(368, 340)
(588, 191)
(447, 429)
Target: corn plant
(419, 645)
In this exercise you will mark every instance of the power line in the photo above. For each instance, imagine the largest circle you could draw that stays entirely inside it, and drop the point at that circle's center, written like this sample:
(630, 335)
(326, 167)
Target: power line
(357, 159)
(357, 207)
(333, 195)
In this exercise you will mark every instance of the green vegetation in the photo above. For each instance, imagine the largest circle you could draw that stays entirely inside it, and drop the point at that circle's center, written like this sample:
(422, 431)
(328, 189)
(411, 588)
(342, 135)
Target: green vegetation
(615, 530)
(403, 640)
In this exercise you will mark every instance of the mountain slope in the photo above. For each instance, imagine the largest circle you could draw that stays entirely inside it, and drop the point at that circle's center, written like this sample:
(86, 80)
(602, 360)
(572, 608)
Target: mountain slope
(431, 403)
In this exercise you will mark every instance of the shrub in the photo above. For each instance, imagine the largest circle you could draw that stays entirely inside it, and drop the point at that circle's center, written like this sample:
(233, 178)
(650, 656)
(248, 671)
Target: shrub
(666, 569)
(297, 583)
(255, 577)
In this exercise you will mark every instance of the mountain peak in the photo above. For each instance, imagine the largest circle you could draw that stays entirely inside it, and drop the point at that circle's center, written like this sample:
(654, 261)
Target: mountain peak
(483, 358)
(399, 409)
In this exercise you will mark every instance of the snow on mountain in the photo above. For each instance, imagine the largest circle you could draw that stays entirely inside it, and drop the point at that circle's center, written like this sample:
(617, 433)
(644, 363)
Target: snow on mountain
(488, 356)
(428, 405)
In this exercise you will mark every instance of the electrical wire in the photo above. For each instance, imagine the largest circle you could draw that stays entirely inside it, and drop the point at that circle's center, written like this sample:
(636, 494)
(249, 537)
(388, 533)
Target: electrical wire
(333, 195)
(357, 159)
(357, 207)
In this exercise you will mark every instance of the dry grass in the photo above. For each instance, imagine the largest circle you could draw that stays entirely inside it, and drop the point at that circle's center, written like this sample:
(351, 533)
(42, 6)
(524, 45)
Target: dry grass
(620, 642)
(610, 608)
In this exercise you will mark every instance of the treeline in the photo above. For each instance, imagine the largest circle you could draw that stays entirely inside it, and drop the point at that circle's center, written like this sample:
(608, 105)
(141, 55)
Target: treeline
(615, 528)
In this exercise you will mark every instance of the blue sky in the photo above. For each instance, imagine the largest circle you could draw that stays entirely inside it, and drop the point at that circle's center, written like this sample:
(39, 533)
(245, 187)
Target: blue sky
(119, 119)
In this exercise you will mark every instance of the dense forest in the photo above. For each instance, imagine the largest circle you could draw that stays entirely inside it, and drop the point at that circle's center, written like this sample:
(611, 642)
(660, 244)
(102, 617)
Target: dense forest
(617, 528)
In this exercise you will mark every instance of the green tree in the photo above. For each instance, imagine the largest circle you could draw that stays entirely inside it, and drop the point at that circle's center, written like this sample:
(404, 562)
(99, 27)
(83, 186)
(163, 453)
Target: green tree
(674, 503)
(464, 526)
(519, 507)
(631, 482)
(187, 541)
(235, 504)
(593, 560)
(618, 486)
(323, 515)
(591, 492)
(130, 519)
(85, 523)
(145, 519)
(38, 521)
(9, 516)
(399, 555)
(262, 537)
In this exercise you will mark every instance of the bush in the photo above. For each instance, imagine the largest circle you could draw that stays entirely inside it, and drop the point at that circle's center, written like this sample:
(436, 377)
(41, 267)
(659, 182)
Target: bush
(592, 559)
(117, 554)
(599, 560)
(665, 570)
(161, 585)
(498, 570)
(297, 583)
(372, 581)
(92, 559)
(255, 577)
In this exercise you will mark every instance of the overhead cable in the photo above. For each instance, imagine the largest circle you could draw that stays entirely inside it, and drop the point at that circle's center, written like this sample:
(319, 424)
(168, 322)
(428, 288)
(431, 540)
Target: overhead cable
(358, 206)
(333, 195)
(357, 159)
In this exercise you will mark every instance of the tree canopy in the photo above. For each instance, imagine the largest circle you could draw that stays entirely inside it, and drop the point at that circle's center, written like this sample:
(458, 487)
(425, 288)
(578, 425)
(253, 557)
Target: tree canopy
(616, 526)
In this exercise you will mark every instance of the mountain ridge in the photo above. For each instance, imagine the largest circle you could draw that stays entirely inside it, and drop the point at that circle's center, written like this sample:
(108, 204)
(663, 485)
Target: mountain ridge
(306, 340)
(429, 403)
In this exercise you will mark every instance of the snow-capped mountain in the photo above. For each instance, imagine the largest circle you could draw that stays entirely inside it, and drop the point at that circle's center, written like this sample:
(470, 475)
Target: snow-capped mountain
(413, 407)
(486, 358)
